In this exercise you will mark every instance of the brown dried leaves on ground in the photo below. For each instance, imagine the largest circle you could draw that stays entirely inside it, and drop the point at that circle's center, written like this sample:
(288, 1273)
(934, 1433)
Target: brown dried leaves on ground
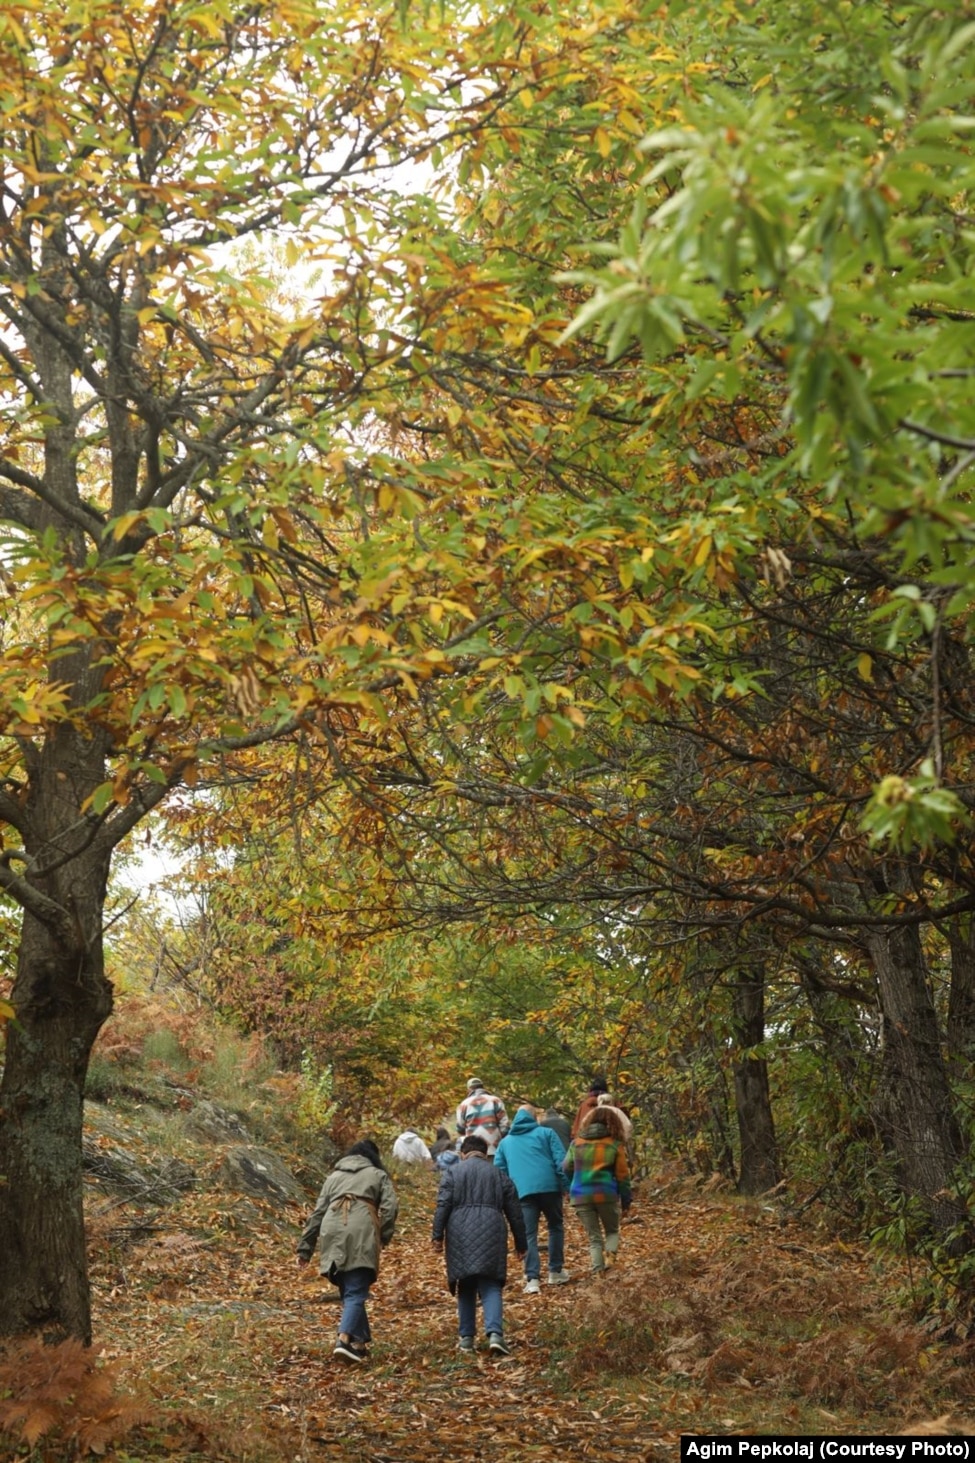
(722, 1316)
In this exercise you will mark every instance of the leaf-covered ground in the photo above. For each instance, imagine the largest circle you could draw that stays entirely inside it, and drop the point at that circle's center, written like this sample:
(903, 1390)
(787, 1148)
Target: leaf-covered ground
(723, 1316)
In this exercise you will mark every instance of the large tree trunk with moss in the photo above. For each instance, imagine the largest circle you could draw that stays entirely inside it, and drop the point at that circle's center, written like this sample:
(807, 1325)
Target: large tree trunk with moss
(61, 998)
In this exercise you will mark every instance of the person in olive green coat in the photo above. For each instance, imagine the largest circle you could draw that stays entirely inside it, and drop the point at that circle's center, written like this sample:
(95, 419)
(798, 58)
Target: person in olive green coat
(352, 1222)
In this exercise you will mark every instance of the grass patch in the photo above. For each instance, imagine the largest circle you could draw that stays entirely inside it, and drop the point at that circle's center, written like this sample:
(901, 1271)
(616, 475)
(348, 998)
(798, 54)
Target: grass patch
(104, 1079)
(236, 1069)
(163, 1048)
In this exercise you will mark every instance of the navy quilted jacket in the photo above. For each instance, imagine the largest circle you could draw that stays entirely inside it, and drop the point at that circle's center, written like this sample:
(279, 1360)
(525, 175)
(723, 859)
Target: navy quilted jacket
(476, 1205)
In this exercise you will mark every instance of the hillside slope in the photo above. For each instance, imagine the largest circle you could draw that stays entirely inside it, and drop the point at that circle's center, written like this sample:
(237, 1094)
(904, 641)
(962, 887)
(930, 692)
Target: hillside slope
(723, 1316)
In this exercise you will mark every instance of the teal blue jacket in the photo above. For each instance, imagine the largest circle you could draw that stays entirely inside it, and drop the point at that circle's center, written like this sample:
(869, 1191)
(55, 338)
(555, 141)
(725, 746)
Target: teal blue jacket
(531, 1155)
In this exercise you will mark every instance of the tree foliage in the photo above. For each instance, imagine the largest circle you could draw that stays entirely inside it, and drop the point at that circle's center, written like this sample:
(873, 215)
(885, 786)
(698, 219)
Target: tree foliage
(561, 526)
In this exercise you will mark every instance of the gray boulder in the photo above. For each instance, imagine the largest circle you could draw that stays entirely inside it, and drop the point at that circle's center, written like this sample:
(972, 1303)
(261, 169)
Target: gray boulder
(260, 1173)
(216, 1124)
(157, 1183)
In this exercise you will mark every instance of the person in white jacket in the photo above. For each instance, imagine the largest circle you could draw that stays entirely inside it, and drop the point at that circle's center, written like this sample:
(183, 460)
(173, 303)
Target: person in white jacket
(410, 1148)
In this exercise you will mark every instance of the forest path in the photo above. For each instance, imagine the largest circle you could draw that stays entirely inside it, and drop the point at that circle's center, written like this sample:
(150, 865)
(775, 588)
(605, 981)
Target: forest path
(723, 1316)
(420, 1398)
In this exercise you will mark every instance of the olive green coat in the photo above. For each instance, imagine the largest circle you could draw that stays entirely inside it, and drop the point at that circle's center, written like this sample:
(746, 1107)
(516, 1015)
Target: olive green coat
(353, 1219)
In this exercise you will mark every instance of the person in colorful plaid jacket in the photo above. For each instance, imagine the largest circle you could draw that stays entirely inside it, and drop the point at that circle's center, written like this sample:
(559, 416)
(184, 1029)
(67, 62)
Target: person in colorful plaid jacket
(483, 1115)
(599, 1188)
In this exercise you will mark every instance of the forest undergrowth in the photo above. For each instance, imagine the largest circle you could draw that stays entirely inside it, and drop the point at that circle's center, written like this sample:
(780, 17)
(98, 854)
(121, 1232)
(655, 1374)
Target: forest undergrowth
(724, 1316)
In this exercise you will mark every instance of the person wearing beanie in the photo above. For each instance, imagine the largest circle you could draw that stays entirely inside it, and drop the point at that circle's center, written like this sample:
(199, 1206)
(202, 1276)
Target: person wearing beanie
(483, 1114)
(596, 1088)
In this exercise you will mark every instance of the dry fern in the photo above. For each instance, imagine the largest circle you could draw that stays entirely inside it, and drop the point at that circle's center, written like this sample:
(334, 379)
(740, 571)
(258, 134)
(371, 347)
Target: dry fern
(59, 1393)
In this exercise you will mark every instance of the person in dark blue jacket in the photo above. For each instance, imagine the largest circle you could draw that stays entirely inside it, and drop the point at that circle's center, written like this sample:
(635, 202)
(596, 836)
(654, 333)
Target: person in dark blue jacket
(476, 1206)
(531, 1155)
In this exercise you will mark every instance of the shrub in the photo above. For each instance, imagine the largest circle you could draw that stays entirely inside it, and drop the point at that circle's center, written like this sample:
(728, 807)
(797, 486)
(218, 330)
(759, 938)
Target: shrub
(611, 1330)
(59, 1394)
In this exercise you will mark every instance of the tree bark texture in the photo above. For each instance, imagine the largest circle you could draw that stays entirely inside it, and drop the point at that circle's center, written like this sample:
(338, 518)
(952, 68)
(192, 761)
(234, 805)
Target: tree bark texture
(61, 997)
(961, 993)
(759, 1169)
(924, 1126)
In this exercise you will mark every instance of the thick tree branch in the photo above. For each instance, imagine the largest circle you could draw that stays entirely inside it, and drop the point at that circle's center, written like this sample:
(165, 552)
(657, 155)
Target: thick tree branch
(48, 911)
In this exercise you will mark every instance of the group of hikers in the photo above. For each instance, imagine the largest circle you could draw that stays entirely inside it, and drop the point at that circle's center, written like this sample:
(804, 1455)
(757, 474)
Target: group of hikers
(496, 1176)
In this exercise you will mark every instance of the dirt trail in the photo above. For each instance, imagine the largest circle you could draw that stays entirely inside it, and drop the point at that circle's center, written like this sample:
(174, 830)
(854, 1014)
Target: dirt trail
(722, 1317)
(421, 1399)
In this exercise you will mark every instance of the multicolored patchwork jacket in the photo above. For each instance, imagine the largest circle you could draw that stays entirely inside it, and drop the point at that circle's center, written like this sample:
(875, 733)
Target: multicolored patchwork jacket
(598, 1167)
(485, 1115)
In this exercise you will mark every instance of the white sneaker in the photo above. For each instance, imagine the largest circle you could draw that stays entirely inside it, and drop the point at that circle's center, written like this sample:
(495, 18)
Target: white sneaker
(558, 1277)
(532, 1287)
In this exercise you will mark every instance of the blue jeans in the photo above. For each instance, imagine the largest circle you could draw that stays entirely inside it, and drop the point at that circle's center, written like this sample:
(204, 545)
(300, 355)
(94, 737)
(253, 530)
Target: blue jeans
(468, 1291)
(354, 1289)
(550, 1204)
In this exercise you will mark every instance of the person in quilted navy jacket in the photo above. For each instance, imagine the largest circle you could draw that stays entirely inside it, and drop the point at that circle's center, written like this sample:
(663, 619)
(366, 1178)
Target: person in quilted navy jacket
(477, 1204)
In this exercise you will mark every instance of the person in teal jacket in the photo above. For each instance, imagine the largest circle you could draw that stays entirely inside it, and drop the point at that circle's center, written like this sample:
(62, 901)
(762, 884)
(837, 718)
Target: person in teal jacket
(531, 1155)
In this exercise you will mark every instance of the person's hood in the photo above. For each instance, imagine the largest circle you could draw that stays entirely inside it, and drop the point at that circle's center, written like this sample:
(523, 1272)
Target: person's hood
(595, 1128)
(352, 1162)
(524, 1122)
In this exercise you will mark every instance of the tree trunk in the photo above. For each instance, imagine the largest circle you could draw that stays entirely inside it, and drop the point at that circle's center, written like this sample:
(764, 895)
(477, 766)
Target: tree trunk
(759, 1154)
(43, 1264)
(925, 1130)
(961, 994)
(718, 1103)
(61, 998)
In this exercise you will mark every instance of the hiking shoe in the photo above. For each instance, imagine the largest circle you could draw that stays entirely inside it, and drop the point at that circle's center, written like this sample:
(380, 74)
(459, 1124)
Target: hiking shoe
(498, 1345)
(348, 1352)
(466, 1343)
(558, 1277)
(533, 1287)
(609, 1259)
